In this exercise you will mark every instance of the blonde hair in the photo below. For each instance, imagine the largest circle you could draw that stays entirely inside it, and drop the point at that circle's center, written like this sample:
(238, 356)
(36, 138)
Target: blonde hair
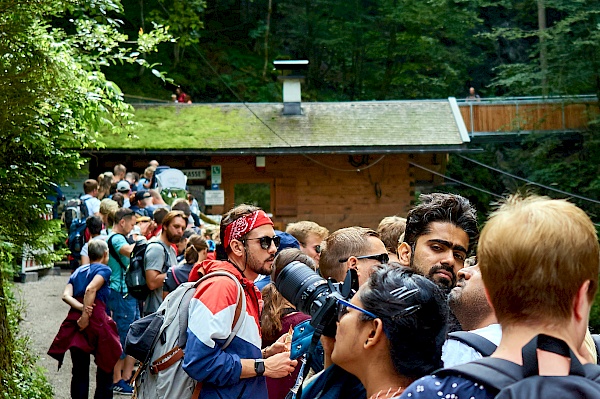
(390, 229)
(108, 207)
(301, 230)
(534, 255)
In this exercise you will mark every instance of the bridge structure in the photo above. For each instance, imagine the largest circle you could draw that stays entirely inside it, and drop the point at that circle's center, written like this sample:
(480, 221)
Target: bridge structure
(508, 118)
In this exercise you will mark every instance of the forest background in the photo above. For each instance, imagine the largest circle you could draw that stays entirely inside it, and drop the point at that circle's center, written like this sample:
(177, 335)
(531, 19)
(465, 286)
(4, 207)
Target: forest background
(66, 64)
(362, 50)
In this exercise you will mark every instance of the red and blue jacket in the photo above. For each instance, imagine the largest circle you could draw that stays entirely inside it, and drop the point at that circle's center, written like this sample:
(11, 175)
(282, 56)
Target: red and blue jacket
(212, 311)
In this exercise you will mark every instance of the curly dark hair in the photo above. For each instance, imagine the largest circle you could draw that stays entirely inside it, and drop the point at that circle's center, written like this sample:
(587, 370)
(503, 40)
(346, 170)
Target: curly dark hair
(415, 337)
(441, 207)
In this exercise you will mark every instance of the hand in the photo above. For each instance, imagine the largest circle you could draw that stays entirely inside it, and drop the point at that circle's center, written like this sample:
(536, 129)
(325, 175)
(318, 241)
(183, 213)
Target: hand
(83, 322)
(277, 347)
(89, 309)
(279, 365)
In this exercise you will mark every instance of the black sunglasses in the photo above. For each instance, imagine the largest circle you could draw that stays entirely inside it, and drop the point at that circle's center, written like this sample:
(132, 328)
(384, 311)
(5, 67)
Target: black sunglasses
(381, 258)
(317, 248)
(265, 242)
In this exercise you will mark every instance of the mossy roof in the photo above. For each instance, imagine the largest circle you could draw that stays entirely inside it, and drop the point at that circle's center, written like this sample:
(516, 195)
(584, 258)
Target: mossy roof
(392, 126)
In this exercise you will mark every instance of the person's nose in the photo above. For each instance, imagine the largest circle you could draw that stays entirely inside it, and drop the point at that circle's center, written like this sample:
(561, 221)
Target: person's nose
(464, 273)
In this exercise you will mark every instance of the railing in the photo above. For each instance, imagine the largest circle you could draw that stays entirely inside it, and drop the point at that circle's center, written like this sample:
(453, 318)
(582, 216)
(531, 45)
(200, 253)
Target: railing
(518, 115)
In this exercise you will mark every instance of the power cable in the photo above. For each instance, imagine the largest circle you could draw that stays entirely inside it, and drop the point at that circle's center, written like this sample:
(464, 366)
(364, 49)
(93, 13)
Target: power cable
(529, 181)
(454, 180)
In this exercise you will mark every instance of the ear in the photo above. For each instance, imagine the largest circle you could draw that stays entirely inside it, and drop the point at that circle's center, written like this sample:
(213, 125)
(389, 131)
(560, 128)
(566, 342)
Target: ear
(404, 254)
(581, 303)
(352, 263)
(376, 334)
(237, 248)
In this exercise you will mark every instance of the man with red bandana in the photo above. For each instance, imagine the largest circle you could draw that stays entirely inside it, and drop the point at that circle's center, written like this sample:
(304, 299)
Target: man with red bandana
(248, 248)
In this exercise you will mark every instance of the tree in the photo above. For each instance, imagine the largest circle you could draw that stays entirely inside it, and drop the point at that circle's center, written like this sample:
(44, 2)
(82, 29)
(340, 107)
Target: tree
(54, 101)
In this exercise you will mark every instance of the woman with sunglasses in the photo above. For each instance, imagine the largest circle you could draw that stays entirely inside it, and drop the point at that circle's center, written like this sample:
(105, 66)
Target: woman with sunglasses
(392, 331)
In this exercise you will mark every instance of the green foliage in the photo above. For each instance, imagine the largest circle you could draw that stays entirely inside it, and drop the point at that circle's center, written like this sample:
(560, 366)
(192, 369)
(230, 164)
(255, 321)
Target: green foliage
(23, 380)
(358, 50)
(571, 44)
(54, 99)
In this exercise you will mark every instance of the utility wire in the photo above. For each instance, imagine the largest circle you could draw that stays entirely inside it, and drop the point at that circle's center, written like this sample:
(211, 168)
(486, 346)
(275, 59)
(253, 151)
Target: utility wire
(529, 181)
(454, 180)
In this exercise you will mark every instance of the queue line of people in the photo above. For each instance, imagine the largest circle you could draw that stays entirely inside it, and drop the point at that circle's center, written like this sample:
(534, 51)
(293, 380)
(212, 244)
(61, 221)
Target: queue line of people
(535, 272)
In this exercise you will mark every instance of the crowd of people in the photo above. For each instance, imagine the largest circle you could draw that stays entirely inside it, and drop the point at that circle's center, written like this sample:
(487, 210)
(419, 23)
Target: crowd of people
(437, 308)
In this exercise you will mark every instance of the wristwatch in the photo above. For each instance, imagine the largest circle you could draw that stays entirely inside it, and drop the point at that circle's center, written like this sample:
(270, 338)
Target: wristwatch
(259, 367)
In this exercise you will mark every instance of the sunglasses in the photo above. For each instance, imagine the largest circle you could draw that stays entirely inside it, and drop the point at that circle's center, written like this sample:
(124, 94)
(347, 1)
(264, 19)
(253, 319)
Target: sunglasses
(381, 258)
(317, 248)
(342, 309)
(265, 242)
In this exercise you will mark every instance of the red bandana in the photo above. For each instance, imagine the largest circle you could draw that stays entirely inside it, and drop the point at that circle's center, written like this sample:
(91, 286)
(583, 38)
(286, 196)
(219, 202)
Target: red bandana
(240, 227)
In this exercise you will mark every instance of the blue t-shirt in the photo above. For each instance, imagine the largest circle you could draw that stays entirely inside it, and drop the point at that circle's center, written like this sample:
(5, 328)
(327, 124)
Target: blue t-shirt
(117, 278)
(450, 387)
(83, 276)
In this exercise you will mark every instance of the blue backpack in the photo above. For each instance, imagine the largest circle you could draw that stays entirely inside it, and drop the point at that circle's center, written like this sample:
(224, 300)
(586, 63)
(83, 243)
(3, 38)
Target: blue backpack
(76, 239)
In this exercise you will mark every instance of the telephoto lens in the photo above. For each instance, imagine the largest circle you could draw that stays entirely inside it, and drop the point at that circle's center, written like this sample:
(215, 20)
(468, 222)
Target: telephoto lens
(311, 294)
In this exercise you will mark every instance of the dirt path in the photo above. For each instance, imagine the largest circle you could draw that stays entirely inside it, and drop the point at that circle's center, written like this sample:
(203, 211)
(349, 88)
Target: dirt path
(44, 312)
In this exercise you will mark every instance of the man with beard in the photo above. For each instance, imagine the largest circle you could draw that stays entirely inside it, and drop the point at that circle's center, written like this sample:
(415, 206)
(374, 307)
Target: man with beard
(439, 233)
(475, 314)
(247, 249)
(160, 256)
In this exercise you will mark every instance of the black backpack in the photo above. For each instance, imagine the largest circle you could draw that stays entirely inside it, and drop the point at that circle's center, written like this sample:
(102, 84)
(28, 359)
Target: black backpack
(508, 380)
(135, 275)
(475, 341)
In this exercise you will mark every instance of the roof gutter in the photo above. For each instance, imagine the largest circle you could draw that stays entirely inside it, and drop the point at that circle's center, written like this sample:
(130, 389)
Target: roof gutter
(460, 123)
(461, 148)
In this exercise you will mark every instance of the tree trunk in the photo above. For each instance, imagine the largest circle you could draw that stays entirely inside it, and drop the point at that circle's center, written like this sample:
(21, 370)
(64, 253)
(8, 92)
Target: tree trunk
(543, 50)
(264, 74)
(5, 335)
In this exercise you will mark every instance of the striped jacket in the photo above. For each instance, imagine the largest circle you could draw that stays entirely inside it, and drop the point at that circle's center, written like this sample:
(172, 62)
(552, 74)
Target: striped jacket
(211, 315)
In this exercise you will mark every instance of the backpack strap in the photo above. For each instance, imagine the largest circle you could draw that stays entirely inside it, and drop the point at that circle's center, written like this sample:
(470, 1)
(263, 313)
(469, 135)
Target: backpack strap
(475, 341)
(596, 339)
(493, 373)
(113, 251)
(174, 276)
(164, 251)
(239, 310)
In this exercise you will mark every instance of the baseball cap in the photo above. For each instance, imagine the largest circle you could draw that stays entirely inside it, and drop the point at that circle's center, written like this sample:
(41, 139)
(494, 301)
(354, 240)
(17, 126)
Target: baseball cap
(140, 218)
(142, 194)
(287, 241)
(123, 186)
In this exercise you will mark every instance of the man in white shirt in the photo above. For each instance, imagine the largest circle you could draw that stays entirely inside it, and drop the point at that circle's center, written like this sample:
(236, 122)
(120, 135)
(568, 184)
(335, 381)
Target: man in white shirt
(90, 189)
(474, 313)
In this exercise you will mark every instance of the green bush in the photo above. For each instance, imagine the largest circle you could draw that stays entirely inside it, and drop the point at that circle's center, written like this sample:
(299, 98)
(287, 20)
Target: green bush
(24, 380)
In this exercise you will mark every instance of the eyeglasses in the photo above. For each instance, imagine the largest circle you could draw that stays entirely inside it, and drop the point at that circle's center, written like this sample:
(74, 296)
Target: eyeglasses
(343, 306)
(265, 242)
(317, 248)
(381, 258)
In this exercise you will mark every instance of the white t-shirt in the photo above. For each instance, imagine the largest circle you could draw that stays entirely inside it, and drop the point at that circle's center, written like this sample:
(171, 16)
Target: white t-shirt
(455, 352)
(84, 250)
(92, 203)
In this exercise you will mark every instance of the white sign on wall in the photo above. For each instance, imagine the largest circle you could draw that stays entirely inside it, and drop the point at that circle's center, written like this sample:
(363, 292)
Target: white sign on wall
(214, 197)
(215, 174)
(199, 174)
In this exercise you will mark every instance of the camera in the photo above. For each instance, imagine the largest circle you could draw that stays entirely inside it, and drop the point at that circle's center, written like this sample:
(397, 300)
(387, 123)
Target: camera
(313, 295)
